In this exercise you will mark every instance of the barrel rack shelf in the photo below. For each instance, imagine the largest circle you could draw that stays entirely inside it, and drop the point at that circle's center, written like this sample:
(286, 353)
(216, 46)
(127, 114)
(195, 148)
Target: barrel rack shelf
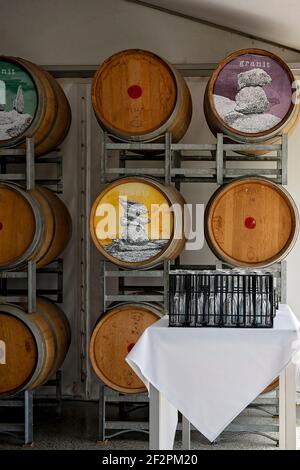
(221, 163)
(15, 168)
(217, 163)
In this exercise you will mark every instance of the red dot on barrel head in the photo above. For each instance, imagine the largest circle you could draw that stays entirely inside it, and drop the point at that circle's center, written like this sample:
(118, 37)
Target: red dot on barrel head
(135, 91)
(250, 223)
(130, 346)
(1, 225)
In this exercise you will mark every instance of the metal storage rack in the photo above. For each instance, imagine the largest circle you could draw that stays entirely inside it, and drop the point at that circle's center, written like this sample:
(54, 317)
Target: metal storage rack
(11, 160)
(218, 163)
(23, 429)
(219, 156)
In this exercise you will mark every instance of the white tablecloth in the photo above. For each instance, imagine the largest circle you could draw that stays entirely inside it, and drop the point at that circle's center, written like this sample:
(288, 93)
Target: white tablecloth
(211, 374)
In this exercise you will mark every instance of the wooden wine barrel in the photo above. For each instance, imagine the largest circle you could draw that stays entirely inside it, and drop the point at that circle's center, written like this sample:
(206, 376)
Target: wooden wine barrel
(138, 96)
(113, 337)
(250, 97)
(34, 225)
(273, 385)
(132, 225)
(32, 104)
(34, 346)
(251, 222)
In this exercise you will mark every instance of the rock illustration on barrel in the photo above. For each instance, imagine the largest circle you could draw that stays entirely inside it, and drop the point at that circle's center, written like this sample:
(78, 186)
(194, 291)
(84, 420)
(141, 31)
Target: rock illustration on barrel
(134, 244)
(2, 352)
(252, 94)
(132, 221)
(15, 121)
(17, 100)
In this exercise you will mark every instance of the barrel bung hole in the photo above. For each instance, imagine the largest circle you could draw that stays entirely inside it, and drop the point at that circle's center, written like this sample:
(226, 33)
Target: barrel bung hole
(135, 91)
(250, 223)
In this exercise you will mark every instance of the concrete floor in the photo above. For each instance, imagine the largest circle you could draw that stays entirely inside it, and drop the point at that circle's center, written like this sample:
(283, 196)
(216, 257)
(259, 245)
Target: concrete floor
(77, 429)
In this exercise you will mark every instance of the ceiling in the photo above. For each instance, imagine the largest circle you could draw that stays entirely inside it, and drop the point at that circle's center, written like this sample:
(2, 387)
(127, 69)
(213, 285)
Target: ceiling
(274, 20)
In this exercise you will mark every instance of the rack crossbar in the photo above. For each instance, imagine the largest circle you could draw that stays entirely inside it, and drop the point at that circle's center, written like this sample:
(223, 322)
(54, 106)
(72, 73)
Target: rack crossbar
(145, 273)
(134, 298)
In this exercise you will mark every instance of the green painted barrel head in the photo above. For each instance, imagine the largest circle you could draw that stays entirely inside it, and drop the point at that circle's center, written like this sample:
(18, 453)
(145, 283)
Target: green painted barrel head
(18, 100)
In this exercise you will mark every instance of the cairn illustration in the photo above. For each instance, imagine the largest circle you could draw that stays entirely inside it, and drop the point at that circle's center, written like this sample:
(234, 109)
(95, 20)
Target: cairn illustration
(249, 112)
(18, 103)
(134, 244)
(12, 122)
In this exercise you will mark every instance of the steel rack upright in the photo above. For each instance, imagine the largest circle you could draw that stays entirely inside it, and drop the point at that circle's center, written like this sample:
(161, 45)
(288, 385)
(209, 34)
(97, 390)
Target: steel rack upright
(11, 160)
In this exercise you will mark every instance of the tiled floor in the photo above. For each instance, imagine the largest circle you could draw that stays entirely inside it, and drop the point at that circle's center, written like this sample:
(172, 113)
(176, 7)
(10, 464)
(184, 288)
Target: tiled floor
(77, 429)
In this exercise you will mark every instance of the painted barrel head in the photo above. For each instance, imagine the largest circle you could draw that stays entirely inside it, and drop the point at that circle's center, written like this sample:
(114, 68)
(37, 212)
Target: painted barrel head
(18, 354)
(251, 222)
(113, 338)
(18, 100)
(132, 222)
(134, 92)
(17, 225)
(253, 93)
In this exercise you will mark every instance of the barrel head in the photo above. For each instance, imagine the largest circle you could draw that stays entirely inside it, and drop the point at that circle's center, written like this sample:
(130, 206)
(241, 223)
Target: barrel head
(113, 338)
(134, 92)
(18, 354)
(251, 222)
(17, 225)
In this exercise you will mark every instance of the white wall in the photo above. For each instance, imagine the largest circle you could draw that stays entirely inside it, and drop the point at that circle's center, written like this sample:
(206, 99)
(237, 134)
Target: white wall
(74, 32)
(87, 31)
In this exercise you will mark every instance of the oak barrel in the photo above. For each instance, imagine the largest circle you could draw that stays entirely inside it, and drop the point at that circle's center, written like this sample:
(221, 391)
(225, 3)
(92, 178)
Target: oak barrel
(138, 96)
(137, 222)
(33, 346)
(34, 225)
(273, 385)
(250, 97)
(32, 104)
(113, 337)
(251, 222)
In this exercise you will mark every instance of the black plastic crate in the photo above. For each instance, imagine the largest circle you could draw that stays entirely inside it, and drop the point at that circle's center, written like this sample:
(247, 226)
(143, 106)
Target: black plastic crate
(219, 299)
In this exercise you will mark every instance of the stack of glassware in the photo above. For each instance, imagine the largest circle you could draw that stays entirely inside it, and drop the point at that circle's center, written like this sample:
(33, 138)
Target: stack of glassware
(235, 298)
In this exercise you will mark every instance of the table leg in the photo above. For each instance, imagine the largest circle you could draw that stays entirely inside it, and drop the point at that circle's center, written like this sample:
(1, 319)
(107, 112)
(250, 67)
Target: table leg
(162, 423)
(287, 408)
(186, 434)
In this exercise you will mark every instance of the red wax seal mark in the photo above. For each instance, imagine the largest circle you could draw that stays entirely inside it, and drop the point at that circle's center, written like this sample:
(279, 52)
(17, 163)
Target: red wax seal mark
(250, 223)
(135, 91)
(130, 346)
(1, 225)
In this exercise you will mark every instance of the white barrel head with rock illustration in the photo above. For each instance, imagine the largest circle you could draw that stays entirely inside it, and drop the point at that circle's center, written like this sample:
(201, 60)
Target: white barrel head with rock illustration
(251, 96)
(133, 222)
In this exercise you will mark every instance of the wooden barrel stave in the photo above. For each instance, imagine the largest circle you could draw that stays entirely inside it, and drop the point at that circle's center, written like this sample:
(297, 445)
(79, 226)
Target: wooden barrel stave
(273, 386)
(251, 222)
(47, 216)
(113, 337)
(40, 218)
(144, 191)
(62, 228)
(162, 103)
(56, 333)
(36, 345)
(52, 117)
(61, 118)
